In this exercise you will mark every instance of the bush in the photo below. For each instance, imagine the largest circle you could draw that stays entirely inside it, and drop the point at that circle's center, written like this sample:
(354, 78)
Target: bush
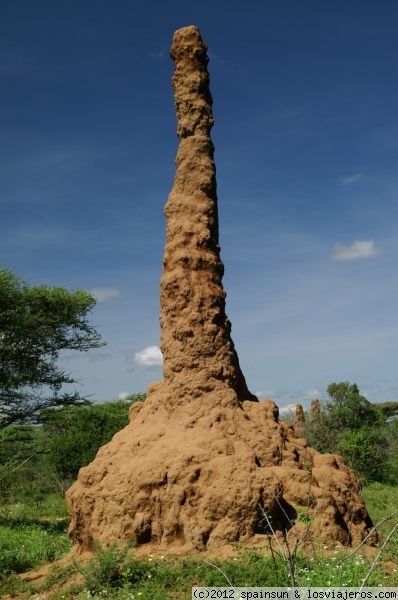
(105, 570)
(74, 435)
(39, 460)
(350, 425)
(366, 453)
(22, 464)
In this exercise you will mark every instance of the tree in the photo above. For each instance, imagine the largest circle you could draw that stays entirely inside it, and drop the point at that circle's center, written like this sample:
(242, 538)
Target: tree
(351, 425)
(349, 408)
(74, 434)
(44, 459)
(37, 323)
(366, 451)
(21, 463)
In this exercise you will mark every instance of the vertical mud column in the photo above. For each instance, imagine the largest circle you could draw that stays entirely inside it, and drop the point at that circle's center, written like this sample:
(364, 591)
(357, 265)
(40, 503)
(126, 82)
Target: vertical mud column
(195, 341)
(299, 418)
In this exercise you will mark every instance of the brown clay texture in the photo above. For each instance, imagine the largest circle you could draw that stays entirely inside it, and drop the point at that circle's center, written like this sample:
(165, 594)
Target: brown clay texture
(315, 408)
(299, 418)
(202, 463)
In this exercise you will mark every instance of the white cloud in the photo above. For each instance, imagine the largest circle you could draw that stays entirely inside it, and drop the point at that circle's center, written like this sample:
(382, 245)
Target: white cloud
(104, 294)
(312, 393)
(356, 251)
(350, 179)
(149, 357)
(263, 394)
(123, 395)
(289, 408)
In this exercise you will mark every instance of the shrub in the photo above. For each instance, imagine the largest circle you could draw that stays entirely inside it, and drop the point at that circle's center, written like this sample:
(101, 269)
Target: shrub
(350, 425)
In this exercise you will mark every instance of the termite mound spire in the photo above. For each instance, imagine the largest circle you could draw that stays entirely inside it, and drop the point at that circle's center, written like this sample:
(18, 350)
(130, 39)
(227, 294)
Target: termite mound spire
(196, 342)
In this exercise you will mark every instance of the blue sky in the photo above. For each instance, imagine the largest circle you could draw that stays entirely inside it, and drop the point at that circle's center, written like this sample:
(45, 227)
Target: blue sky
(306, 136)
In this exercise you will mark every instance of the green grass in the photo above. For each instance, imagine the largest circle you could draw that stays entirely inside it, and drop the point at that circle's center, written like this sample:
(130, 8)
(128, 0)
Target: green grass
(31, 534)
(114, 575)
(52, 507)
(382, 501)
(29, 546)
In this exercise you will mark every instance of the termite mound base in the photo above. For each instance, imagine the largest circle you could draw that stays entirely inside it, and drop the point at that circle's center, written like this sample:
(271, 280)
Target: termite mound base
(216, 473)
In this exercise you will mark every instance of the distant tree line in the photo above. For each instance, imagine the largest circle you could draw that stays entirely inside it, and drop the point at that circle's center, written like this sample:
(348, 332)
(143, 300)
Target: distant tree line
(37, 460)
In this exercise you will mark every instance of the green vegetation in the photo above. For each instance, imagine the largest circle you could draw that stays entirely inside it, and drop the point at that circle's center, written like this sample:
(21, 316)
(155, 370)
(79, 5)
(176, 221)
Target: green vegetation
(37, 323)
(29, 545)
(74, 434)
(358, 430)
(31, 534)
(381, 502)
(170, 578)
(36, 461)
(389, 409)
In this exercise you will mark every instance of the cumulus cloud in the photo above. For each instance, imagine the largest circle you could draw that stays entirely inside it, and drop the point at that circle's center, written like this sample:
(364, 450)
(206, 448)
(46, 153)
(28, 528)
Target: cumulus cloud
(150, 356)
(123, 395)
(104, 294)
(350, 179)
(356, 251)
(286, 410)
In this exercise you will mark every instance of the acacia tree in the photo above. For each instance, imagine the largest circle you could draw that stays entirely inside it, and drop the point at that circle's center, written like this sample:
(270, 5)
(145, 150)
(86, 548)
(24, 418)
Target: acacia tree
(349, 408)
(37, 323)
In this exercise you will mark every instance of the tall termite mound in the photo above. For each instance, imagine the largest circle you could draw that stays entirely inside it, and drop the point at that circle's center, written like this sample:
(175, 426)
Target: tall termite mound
(202, 462)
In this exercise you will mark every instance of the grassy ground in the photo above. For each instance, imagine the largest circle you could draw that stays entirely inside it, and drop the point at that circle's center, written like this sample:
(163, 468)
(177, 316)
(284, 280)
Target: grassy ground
(382, 501)
(34, 534)
(31, 534)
